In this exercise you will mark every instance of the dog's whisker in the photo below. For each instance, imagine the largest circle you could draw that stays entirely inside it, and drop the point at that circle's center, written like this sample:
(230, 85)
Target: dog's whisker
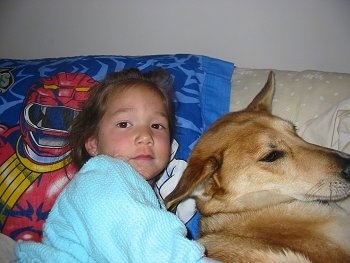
(313, 192)
(331, 191)
(325, 192)
(338, 190)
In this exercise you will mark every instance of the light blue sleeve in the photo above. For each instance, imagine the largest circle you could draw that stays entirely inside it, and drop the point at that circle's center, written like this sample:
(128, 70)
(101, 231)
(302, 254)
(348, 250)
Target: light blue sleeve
(109, 213)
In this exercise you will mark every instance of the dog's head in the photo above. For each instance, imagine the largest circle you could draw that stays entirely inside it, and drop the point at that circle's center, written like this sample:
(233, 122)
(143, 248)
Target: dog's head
(250, 159)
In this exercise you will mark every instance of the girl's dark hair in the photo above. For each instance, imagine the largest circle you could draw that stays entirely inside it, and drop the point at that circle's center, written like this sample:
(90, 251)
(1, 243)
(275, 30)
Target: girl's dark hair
(86, 124)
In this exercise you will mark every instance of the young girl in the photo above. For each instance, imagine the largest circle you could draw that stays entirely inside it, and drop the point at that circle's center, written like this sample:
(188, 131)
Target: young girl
(109, 212)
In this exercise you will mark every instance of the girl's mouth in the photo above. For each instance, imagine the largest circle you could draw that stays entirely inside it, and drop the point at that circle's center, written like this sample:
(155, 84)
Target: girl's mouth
(144, 157)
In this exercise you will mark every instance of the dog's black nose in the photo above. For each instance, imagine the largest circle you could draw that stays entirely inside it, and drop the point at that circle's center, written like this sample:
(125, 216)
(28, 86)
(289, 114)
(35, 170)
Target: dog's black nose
(343, 159)
(346, 173)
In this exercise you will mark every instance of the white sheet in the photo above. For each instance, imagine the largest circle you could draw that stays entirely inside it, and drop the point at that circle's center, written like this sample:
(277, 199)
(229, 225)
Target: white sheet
(331, 129)
(6, 245)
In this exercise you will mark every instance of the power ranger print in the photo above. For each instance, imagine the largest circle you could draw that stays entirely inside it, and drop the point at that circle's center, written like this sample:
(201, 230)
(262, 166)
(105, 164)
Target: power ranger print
(35, 171)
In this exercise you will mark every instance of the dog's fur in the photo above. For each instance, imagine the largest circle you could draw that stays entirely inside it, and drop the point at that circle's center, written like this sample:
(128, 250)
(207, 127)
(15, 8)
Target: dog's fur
(264, 194)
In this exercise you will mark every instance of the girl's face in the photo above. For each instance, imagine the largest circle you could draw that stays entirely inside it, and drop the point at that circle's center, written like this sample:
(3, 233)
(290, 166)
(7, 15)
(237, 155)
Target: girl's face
(135, 129)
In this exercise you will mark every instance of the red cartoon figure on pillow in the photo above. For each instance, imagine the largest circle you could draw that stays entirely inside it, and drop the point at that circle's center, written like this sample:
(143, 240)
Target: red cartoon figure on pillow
(35, 171)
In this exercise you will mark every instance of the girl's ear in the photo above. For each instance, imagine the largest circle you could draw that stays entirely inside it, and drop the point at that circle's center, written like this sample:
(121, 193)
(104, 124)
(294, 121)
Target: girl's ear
(91, 146)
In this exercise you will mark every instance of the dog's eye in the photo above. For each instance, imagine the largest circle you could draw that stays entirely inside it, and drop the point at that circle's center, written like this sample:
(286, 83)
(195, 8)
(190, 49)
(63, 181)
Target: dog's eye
(272, 156)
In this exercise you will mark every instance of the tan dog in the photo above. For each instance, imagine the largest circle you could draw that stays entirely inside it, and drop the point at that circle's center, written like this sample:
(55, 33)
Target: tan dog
(264, 194)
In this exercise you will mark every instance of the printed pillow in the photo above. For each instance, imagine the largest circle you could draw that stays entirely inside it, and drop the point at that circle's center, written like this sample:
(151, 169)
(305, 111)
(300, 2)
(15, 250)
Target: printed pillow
(39, 98)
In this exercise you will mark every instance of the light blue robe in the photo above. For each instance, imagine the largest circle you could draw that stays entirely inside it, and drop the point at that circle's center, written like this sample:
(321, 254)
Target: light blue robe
(109, 213)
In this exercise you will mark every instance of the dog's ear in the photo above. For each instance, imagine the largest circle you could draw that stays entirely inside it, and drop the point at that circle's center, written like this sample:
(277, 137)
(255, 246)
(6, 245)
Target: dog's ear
(263, 101)
(195, 173)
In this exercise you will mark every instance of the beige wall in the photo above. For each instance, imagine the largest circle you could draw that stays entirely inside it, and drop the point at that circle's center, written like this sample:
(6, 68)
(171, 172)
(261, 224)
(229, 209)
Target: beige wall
(296, 35)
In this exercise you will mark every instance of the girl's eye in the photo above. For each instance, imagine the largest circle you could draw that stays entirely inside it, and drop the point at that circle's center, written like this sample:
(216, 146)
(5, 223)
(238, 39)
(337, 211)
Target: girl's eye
(123, 124)
(157, 126)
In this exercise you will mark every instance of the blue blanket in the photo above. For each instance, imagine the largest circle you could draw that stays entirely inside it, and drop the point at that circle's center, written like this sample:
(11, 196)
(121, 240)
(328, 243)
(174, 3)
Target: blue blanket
(109, 213)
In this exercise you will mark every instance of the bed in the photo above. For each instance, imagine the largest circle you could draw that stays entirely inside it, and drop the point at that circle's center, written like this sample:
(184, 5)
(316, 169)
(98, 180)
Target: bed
(39, 97)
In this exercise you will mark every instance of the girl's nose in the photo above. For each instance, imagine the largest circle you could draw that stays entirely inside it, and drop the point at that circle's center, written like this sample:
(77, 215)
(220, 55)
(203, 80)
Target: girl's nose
(144, 136)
